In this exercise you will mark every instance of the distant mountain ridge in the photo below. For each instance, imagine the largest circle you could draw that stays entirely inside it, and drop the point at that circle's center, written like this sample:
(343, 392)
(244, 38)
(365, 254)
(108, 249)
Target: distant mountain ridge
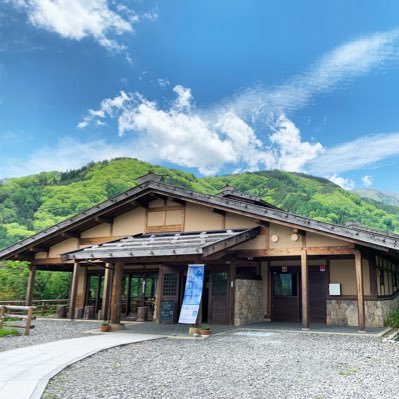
(32, 203)
(381, 196)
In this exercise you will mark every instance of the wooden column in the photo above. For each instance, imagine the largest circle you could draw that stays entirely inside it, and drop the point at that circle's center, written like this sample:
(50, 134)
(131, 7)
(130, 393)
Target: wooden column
(116, 293)
(74, 291)
(31, 286)
(360, 290)
(305, 288)
(106, 292)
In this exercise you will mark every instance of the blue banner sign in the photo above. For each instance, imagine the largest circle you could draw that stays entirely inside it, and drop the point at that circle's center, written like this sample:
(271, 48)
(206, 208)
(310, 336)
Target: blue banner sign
(192, 294)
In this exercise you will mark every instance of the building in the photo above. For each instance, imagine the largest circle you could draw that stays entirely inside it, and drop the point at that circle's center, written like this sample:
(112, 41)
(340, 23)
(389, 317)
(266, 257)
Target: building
(260, 262)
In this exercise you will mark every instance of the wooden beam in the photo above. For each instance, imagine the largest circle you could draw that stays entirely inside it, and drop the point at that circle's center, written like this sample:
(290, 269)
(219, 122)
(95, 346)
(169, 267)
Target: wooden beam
(31, 286)
(47, 261)
(38, 249)
(107, 292)
(284, 252)
(74, 291)
(360, 290)
(70, 234)
(98, 240)
(104, 219)
(116, 294)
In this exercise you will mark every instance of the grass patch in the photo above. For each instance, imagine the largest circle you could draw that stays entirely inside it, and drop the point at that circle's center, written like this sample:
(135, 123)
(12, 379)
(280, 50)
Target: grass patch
(348, 372)
(4, 331)
(393, 319)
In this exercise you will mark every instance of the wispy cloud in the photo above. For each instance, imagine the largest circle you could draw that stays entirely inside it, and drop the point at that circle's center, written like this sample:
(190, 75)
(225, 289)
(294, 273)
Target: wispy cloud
(68, 153)
(356, 154)
(337, 67)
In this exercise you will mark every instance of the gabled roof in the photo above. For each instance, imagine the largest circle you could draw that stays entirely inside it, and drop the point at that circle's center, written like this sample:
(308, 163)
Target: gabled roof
(164, 244)
(150, 185)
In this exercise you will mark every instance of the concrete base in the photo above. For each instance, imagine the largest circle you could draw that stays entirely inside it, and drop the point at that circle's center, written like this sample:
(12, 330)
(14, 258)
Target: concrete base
(117, 327)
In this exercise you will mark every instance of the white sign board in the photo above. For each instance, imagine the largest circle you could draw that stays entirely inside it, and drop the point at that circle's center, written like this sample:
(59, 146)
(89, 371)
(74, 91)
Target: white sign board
(334, 289)
(192, 294)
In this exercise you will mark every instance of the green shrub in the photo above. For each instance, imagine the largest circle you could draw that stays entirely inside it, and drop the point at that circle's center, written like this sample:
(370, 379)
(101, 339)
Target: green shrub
(393, 319)
(8, 331)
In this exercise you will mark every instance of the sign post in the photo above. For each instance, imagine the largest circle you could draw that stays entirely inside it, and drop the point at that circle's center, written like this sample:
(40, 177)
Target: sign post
(192, 294)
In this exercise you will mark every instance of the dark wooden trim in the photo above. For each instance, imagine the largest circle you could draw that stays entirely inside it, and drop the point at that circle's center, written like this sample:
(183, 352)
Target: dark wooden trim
(74, 291)
(232, 288)
(223, 245)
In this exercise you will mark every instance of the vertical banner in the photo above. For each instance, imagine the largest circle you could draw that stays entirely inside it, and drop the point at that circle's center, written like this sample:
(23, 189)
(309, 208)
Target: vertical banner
(192, 294)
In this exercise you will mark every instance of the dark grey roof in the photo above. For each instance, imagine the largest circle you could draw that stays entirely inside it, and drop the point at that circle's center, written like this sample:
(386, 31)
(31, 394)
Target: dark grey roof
(373, 239)
(163, 244)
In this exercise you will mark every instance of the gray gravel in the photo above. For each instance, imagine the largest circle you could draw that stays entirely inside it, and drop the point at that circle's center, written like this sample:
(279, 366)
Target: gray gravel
(47, 331)
(237, 365)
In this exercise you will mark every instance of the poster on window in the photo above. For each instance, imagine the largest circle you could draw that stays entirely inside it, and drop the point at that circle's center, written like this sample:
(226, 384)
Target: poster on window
(192, 294)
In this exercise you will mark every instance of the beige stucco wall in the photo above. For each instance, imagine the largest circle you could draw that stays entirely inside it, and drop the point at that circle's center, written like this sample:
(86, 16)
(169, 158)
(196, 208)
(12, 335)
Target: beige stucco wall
(318, 240)
(201, 218)
(132, 222)
(342, 271)
(258, 242)
(102, 230)
(238, 221)
(69, 244)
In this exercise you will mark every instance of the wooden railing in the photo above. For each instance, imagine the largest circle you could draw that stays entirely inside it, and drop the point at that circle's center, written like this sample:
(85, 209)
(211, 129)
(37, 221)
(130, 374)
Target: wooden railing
(28, 317)
(41, 306)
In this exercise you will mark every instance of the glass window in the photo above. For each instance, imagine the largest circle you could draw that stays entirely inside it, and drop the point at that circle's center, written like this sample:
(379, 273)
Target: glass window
(285, 284)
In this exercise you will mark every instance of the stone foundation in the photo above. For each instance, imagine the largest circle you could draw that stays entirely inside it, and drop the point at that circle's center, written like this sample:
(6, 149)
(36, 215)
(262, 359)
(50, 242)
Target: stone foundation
(248, 303)
(344, 312)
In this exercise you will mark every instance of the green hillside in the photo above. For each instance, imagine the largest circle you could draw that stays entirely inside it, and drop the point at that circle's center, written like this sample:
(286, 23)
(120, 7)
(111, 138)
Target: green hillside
(379, 196)
(30, 204)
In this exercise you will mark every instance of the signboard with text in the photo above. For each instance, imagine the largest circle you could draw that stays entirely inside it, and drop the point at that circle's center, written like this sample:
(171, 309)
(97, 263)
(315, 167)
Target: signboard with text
(192, 294)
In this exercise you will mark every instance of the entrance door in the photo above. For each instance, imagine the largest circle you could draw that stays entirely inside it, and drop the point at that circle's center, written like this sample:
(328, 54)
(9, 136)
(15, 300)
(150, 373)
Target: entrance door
(317, 295)
(218, 306)
(285, 296)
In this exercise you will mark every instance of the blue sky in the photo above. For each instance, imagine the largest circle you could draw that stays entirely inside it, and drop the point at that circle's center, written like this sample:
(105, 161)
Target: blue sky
(211, 87)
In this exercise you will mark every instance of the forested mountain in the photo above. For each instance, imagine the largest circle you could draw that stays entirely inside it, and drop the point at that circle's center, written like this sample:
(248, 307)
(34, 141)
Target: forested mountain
(32, 203)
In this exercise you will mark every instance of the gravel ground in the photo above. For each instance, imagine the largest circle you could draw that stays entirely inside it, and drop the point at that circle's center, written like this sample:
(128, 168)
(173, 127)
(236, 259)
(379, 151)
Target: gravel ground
(47, 331)
(237, 365)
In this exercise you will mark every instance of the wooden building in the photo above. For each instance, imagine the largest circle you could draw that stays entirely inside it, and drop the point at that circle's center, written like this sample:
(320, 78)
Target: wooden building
(261, 262)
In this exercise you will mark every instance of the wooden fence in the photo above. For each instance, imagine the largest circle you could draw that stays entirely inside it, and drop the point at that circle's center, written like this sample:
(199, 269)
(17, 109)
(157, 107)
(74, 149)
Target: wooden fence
(41, 306)
(28, 317)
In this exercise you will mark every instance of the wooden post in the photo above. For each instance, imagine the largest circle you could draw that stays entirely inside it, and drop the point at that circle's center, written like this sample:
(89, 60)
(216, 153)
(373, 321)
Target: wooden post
(360, 290)
(305, 289)
(31, 285)
(74, 291)
(116, 294)
(28, 320)
(106, 292)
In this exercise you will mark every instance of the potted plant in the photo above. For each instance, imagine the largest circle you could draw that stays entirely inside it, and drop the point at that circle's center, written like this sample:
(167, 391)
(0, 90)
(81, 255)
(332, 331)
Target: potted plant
(105, 327)
(205, 331)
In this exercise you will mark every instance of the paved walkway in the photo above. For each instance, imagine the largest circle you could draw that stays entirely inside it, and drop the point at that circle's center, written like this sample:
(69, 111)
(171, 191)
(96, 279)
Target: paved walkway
(25, 372)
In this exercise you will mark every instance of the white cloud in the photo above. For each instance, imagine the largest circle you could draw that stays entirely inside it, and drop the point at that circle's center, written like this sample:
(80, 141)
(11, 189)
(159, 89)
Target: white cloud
(252, 130)
(292, 153)
(346, 184)
(77, 19)
(367, 181)
(187, 137)
(356, 154)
